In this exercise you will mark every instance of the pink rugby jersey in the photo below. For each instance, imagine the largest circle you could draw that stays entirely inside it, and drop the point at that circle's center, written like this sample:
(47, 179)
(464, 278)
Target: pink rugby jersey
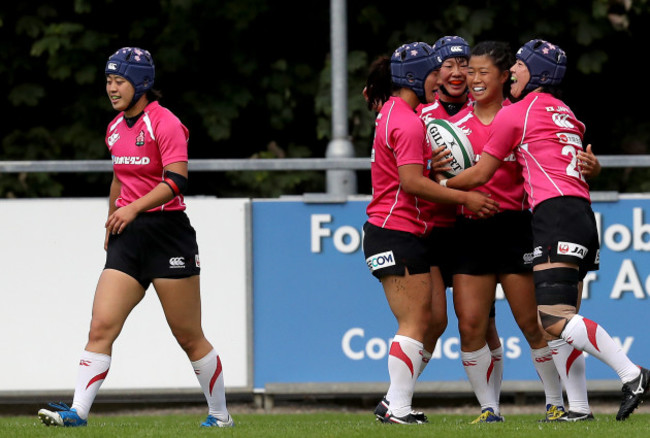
(139, 153)
(437, 109)
(444, 214)
(399, 140)
(506, 185)
(546, 137)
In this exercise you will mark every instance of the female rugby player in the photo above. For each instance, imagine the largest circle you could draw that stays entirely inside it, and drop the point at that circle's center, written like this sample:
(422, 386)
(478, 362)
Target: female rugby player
(546, 138)
(396, 244)
(149, 240)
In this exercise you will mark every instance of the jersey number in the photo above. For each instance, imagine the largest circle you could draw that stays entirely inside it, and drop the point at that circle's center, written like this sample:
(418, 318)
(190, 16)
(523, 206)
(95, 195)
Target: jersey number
(572, 169)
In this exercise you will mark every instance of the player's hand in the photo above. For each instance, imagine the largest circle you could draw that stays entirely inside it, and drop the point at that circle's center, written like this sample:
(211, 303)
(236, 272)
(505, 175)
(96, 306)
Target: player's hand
(588, 163)
(481, 204)
(120, 218)
(439, 162)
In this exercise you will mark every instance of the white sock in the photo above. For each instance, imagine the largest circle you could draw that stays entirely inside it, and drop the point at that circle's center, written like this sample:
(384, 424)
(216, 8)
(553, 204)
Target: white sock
(497, 375)
(93, 368)
(570, 365)
(426, 357)
(478, 366)
(586, 335)
(547, 372)
(209, 372)
(404, 362)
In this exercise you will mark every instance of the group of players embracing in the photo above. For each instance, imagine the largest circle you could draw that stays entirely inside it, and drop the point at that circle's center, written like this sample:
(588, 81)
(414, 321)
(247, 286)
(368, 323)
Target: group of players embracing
(521, 216)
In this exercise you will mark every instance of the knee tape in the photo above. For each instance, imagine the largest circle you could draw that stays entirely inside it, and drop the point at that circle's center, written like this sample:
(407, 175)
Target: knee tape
(548, 320)
(556, 286)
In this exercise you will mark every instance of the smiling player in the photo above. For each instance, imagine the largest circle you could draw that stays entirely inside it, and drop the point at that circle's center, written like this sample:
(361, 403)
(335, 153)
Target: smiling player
(546, 138)
(149, 240)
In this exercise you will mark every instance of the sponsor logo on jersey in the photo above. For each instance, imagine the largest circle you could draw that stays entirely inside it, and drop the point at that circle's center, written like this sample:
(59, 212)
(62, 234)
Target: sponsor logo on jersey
(85, 363)
(177, 262)
(568, 138)
(381, 260)
(572, 249)
(139, 140)
(562, 120)
(113, 139)
(196, 261)
(141, 161)
(537, 252)
(597, 258)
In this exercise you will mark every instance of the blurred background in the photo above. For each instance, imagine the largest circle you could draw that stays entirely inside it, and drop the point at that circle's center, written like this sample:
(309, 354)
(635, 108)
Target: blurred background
(251, 79)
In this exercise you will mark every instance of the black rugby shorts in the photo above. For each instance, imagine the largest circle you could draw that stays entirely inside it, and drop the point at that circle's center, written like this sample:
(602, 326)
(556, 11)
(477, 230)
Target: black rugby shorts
(389, 252)
(564, 230)
(443, 245)
(155, 245)
(501, 244)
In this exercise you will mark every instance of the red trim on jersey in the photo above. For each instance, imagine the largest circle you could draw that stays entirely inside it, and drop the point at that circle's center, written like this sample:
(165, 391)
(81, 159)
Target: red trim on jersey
(396, 351)
(591, 332)
(216, 374)
(97, 378)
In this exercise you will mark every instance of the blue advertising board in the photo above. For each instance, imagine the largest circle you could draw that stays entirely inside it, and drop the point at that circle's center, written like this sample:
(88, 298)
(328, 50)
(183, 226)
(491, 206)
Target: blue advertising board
(319, 316)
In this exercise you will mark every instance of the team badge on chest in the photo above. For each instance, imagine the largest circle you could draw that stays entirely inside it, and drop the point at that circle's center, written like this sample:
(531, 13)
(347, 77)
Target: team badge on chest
(139, 140)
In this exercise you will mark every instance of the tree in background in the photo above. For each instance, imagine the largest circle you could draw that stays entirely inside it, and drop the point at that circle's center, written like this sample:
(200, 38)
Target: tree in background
(251, 80)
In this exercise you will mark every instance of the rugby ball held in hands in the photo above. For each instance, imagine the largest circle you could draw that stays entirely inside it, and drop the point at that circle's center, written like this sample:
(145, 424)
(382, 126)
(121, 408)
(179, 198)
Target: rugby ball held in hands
(444, 133)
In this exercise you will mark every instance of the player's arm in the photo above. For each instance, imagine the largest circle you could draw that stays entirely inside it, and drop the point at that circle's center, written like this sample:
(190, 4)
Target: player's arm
(164, 192)
(475, 176)
(113, 194)
(414, 182)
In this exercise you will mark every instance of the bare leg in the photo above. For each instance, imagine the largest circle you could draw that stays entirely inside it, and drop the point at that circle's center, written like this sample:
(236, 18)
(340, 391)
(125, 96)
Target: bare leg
(181, 302)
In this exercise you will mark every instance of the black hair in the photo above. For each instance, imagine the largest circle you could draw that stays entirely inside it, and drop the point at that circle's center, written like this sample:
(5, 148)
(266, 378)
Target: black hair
(553, 90)
(501, 55)
(153, 95)
(379, 85)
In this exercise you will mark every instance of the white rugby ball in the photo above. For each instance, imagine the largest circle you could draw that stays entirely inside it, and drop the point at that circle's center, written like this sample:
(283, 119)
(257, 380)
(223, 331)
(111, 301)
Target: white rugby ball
(444, 133)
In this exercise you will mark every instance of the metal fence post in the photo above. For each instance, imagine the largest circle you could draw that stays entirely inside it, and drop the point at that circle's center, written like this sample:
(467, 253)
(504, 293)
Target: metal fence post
(339, 182)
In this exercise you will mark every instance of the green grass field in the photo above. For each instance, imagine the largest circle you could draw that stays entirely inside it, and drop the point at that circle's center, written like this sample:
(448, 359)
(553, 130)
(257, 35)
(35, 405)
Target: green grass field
(327, 424)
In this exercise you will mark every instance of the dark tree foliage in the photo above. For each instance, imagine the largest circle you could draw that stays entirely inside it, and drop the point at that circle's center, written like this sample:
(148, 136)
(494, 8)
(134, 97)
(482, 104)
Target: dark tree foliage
(251, 78)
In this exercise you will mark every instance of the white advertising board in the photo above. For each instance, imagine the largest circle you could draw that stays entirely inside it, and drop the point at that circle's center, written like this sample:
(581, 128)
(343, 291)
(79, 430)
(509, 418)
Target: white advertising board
(51, 258)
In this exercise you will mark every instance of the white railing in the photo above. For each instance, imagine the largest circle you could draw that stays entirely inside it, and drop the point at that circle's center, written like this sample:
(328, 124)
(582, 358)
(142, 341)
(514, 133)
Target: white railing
(247, 164)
